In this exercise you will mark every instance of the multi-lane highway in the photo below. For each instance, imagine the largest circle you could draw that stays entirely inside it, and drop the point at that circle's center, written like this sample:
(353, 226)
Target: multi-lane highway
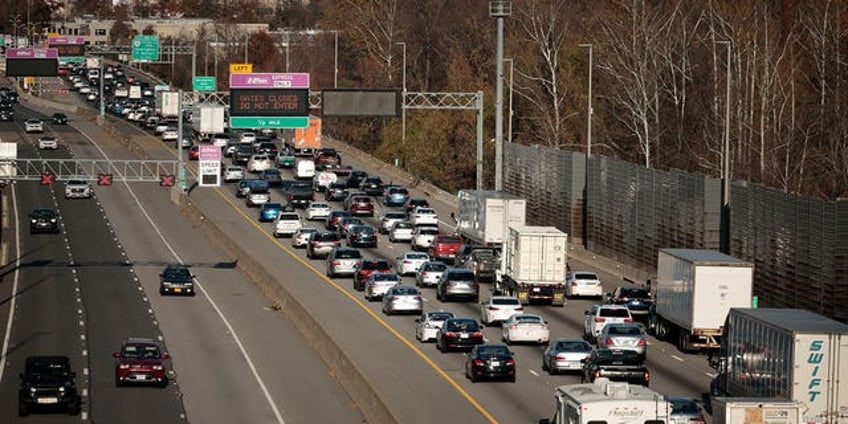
(82, 292)
(416, 381)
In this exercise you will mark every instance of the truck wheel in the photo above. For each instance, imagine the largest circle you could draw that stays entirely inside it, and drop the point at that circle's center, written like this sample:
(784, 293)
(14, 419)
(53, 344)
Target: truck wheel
(683, 341)
(662, 329)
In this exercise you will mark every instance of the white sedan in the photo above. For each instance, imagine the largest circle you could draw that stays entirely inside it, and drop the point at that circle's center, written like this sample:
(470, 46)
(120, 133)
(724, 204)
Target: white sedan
(300, 238)
(526, 328)
(499, 309)
(424, 216)
(429, 323)
(409, 262)
(583, 283)
(33, 125)
(233, 173)
(259, 163)
(422, 237)
(48, 142)
(318, 211)
(170, 134)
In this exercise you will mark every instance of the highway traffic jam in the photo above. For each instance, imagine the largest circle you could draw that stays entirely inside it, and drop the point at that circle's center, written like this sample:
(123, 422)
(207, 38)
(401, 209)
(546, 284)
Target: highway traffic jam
(482, 283)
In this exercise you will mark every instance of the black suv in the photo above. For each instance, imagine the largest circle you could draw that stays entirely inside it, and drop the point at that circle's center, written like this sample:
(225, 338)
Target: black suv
(372, 186)
(616, 365)
(637, 299)
(176, 279)
(43, 220)
(48, 383)
(59, 118)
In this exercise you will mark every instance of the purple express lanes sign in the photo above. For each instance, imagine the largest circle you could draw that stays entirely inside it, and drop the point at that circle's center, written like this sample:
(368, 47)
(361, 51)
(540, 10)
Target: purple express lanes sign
(66, 40)
(32, 53)
(269, 80)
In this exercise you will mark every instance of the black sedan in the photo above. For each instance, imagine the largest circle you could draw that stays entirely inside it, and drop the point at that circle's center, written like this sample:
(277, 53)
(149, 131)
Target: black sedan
(372, 186)
(637, 299)
(59, 118)
(616, 365)
(490, 361)
(335, 191)
(459, 334)
(362, 236)
(43, 220)
(176, 279)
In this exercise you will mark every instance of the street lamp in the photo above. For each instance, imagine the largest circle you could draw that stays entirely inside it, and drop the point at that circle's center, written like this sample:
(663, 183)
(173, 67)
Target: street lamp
(499, 9)
(589, 110)
(724, 242)
(509, 128)
(403, 109)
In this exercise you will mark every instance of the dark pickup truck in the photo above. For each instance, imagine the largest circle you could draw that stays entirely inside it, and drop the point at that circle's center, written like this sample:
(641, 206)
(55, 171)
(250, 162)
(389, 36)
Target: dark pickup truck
(484, 263)
(298, 194)
(616, 365)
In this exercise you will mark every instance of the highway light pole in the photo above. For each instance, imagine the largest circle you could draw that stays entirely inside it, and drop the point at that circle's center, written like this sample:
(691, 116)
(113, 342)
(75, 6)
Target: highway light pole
(724, 242)
(509, 124)
(499, 9)
(102, 103)
(336, 62)
(403, 110)
(589, 111)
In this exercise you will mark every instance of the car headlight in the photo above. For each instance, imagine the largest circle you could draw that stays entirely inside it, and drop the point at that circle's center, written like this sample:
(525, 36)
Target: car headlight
(124, 366)
(157, 367)
(32, 390)
(53, 220)
(34, 221)
(62, 389)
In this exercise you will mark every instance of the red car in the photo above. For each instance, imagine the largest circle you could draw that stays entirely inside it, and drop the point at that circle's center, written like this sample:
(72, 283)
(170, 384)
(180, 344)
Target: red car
(140, 361)
(194, 152)
(444, 247)
(361, 205)
(368, 268)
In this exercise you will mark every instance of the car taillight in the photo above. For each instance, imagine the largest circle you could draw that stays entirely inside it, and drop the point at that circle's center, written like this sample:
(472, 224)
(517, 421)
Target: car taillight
(449, 334)
(600, 319)
(407, 262)
(573, 284)
(478, 362)
(697, 420)
(609, 341)
(624, 299)
(597, 374)
(647, 376)
(477, 334)
(520, 308)
(628, 320)
(291, 196)
(510, 362)
(394, 298)
(561, 356)
(424, 274)
(123, 366)
(642, 342)
(492, 308)
(337, 263)
(513, 327)
(418, 298)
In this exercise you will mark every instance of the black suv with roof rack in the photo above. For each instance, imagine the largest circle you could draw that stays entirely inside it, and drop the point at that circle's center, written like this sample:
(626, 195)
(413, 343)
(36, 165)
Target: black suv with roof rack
(47, 383)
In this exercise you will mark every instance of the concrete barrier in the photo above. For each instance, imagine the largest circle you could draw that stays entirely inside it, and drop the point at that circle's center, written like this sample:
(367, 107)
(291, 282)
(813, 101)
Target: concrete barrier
(340, 366)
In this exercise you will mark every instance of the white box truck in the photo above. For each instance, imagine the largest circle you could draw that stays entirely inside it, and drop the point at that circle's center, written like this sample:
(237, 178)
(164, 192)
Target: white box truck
(167, 103)
(533, 264)
(484, 216)
(756, 411)
(606, 402)
(8, 159)
(208, 119)
(694, 291)
(786, 354)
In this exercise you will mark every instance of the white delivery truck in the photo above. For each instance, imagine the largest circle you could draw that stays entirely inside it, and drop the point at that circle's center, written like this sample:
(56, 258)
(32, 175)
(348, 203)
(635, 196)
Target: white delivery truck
(695, 290)
(786, 354)
(606, 402)
(208, 119)
(8, 159)
(484, 216)
(167, 103)
(756, 411)
(533, 264)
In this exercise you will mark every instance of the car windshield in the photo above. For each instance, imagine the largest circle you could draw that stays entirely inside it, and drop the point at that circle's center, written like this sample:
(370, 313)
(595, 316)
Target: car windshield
(482, 254)
(406, 291)
(403, 225)
(275, 172)
(395, 215)
(486, 351)
(43, 213)
(637, 293)
(573, 346)
(272, 206)
(417, 256)
(461, 276)
(376, 265)
(624, 330)
(450, 240)
(621, 357)
(684, 406)
(615, 313)
(363, 229)
(76, 182)
(177, 273)
(422, 211)
(326, 236)
(435, 267)
(585, 276)
(462, 325)
(289, 217)
(398, 191)
(348, 254)
(429, 231)
(141, 352)
(505, 301)
(385, 277)
(528, 319)
(440, 316)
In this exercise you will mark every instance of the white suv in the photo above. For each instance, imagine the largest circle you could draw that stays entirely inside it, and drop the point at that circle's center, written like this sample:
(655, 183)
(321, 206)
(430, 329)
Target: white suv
(286, 224)
(33, 125)
(77, 189)
(583, 283)
(499, 309)
(600, 315)
(48, 142)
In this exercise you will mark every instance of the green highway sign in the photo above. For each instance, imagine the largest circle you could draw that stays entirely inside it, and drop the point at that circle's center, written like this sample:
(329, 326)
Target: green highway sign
(203, 83)
(72, 59)
(269, 122)
(145, 48)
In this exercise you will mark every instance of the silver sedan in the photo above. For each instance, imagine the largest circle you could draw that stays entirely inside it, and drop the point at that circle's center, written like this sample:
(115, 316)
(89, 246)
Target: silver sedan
(565, 355)
(429, 272)
(343, 261)
(406, 299)
(379, 283)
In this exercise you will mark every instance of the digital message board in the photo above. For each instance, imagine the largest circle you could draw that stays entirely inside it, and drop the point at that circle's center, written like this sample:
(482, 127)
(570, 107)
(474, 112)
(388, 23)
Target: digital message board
(32, 67)
(69, 49)
(264, 102)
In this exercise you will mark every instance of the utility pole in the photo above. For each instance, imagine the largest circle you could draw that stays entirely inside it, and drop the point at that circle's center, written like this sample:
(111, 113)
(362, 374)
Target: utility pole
(403, 110)
(499, 9)
(724, 236)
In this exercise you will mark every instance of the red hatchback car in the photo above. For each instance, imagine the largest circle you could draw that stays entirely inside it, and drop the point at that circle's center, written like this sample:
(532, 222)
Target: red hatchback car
(140, 361)
(368, 268)
(444, 247)
(361, 205)
(194, 152)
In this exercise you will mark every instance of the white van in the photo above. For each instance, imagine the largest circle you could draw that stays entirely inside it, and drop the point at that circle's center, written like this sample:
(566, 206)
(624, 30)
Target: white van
(305, 169)
(606, 402)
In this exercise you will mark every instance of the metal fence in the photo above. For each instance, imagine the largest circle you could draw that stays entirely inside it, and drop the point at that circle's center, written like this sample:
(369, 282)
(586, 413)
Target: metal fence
(628, 212)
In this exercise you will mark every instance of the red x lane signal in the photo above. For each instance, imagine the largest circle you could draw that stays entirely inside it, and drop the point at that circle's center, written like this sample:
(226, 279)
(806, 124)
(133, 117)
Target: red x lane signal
(104, 179)
(166, 180)
(47, 178)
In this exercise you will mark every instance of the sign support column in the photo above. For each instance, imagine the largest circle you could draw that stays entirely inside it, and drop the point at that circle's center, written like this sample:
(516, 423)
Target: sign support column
(181, 174)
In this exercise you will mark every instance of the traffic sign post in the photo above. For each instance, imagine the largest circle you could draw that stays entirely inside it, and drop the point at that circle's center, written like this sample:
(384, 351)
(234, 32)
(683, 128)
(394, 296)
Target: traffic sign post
(241, 68)
(104, 179)
(269, 100)
(145, 48)
(203, 83)
(209, 165)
